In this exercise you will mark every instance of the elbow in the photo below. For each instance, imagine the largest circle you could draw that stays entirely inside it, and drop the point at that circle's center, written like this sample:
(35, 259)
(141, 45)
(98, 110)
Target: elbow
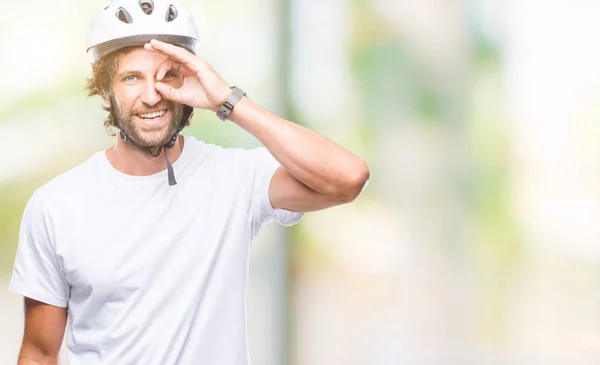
(32, 354)
(355, 184)
(32, 360)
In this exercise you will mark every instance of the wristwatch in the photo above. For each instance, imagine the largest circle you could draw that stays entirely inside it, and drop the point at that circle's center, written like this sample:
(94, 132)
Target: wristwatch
(228, 105)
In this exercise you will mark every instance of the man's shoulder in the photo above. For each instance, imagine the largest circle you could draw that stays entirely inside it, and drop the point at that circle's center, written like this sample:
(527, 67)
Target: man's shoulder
(69, 182)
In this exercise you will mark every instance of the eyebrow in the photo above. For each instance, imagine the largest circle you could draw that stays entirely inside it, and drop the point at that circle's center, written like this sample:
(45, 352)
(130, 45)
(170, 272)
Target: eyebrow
(125, 73)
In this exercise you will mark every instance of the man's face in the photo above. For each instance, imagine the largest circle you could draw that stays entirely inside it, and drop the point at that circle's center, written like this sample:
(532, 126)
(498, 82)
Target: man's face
(137, 107)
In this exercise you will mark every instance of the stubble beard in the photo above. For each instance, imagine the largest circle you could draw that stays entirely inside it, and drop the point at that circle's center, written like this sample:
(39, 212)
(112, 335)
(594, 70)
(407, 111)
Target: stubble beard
(147, 138)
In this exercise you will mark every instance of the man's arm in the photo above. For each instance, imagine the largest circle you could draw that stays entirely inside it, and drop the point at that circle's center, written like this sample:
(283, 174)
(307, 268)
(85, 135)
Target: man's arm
(316, 173)
(43, 335)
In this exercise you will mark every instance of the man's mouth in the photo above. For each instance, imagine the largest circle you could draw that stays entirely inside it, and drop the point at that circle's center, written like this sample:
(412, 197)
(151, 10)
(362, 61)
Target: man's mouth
(153, 115)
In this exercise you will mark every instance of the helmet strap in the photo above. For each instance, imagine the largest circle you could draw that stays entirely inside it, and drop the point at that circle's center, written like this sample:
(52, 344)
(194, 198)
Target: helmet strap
(187, 114)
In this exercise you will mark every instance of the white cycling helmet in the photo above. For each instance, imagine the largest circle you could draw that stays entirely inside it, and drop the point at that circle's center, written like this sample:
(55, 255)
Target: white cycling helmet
(125, 23)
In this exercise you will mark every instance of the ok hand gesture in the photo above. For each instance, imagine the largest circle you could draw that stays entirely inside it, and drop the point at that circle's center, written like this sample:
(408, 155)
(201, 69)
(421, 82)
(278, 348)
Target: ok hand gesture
(202, 87)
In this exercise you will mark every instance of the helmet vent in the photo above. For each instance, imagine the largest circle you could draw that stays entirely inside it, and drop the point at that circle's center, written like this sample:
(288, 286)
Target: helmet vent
(171, 13)
(147, 6)
(124, 16)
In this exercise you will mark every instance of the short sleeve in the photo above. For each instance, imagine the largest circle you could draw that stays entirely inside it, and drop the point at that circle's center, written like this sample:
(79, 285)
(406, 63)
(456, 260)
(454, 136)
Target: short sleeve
(264, 167)
(37, 273)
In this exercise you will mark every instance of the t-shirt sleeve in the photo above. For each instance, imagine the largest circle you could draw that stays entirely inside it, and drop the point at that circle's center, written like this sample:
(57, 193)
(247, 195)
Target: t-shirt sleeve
(264, 167)
(37, 272)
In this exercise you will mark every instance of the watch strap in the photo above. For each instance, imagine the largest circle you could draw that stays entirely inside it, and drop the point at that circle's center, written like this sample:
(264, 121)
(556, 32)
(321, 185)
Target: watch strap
(229, 104)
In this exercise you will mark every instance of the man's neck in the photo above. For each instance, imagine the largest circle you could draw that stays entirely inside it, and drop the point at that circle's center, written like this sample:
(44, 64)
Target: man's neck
(132, 161)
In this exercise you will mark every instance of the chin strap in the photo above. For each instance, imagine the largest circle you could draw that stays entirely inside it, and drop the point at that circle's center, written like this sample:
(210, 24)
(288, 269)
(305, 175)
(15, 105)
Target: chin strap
(170, 171)
(159, 149)
(187, 114)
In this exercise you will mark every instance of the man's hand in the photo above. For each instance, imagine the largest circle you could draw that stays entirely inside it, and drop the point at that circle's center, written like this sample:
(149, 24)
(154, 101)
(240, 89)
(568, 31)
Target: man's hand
(202, 87)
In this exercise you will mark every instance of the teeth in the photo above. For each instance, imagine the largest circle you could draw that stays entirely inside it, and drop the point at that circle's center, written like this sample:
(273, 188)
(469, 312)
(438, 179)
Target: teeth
(153, 115)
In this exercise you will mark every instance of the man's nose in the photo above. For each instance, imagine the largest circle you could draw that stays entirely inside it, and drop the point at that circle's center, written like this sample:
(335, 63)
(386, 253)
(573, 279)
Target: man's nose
(151, 96)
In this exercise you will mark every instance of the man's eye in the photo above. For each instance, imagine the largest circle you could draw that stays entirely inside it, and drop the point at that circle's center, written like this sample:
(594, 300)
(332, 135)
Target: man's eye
(130, 78)
(171, 74)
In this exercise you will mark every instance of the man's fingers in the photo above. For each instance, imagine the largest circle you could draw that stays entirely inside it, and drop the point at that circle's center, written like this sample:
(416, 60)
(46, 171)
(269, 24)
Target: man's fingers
(149, 48)
(166, 66)
(191, 61)
(163, 69)
(168, 92)
(176, 53)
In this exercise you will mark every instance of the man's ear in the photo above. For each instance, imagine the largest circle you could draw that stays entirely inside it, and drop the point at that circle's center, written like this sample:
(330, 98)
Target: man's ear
(106, 101)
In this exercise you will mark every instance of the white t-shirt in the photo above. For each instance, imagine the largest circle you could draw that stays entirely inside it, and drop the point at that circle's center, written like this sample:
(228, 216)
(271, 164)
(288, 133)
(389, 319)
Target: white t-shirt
(150, 273)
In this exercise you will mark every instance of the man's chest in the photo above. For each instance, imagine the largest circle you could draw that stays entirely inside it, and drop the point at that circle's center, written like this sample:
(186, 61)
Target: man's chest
(148, 244)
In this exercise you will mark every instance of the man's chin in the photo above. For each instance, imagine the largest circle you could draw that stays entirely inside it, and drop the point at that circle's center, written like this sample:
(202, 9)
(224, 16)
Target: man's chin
(152, 137)
(150, 143)
(149, 139)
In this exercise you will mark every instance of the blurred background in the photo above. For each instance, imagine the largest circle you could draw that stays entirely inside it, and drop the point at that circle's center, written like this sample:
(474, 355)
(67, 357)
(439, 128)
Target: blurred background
(478, 238)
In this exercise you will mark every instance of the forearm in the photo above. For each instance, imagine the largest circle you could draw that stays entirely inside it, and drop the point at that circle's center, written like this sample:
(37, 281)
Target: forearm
(313, 159)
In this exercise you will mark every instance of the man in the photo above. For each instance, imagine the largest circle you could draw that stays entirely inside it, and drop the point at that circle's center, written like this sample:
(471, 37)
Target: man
(142, 250)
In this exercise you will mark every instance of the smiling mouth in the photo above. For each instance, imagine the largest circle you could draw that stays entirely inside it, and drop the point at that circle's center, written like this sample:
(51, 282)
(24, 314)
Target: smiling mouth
(153, 115)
